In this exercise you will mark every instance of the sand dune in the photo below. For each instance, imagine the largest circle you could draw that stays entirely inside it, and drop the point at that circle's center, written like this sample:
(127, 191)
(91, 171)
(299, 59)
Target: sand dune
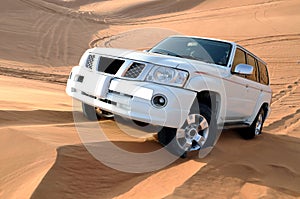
(42, 154)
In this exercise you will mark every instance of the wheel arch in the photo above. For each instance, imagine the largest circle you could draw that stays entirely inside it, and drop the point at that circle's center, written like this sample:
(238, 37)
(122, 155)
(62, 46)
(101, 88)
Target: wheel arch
(210, 98)
(265, 108)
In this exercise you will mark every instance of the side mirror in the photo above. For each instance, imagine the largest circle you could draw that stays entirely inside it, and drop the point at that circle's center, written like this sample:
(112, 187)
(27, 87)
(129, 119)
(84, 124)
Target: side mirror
(243, 69)
(145, 51)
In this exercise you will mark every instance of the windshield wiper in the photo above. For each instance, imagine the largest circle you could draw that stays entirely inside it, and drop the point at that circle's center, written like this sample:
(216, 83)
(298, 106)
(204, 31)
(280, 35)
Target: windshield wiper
(166, 52)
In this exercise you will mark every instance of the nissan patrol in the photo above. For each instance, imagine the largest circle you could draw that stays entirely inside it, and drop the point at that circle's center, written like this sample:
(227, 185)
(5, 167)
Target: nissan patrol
(189, 86)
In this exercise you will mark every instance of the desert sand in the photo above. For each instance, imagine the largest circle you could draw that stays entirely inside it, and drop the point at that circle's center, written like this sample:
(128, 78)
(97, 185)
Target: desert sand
(42, 155)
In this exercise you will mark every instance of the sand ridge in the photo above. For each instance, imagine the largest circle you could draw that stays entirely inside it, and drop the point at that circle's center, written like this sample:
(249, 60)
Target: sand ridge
(42, 155)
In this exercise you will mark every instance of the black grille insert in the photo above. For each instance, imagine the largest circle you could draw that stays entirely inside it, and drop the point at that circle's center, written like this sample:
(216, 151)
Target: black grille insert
(109, 65)
(134, 70)
(90, 61)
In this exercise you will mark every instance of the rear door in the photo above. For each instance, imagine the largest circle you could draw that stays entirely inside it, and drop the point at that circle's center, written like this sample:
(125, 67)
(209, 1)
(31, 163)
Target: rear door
(236, 91)
(253, 87)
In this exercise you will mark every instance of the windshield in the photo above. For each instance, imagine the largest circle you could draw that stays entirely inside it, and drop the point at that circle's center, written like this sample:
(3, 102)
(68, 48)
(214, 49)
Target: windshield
(210, 51)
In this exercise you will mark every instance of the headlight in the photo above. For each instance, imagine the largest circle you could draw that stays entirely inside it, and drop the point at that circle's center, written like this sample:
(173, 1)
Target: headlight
(165, 75)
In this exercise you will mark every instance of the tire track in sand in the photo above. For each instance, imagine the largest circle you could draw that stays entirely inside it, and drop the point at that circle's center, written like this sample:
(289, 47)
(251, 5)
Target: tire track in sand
(56, 9)
(269, 39)
(41, 25)
(43, 39)
(65, 42)
(289, 121)
(285, 92)
(118, 19)
(54, 40)
(286, 123)
(34, 75)
(51, 37)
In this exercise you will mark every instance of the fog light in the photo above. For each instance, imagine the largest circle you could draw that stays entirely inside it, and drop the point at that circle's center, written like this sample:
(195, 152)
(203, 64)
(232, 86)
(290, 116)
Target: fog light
(80, 78)
(159, 101)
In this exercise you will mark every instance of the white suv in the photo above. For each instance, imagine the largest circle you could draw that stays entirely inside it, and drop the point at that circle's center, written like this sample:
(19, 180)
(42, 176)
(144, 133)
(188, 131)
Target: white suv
(189, 86)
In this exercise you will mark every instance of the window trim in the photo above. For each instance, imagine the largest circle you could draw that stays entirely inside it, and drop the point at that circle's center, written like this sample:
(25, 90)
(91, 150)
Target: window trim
(257, 60)
(255, 67)
(232, 62)
(267, 73)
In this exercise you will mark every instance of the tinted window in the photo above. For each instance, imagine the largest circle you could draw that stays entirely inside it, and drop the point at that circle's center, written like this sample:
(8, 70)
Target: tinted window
(239, 58)
(252, 61)
(264, 76)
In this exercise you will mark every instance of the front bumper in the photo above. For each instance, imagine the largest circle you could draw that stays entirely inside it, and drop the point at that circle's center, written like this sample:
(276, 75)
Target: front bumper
(130, 99)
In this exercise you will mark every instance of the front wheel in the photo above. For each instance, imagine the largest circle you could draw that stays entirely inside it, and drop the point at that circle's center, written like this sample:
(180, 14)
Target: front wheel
(197, 133)
(89, 112)
(94, 114)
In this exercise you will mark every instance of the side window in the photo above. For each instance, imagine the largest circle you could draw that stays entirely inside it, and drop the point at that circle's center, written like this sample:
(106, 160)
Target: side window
(239, 58)
(252, 61)
(264, 76)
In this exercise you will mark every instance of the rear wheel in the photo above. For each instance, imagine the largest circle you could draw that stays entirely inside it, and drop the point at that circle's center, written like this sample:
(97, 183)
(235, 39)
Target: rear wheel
(198, 132)
(255, 128)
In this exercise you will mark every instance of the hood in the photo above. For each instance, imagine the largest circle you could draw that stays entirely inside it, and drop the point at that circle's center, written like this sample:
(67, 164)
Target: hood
(158, 59)
(152, 58)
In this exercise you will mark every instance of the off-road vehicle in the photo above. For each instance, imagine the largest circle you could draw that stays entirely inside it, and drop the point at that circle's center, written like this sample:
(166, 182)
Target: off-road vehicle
(189, 86)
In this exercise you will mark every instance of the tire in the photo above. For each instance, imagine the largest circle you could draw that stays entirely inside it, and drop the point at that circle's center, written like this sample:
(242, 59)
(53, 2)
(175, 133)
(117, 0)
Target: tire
(89, 112)
(255, 128)
(197, 133)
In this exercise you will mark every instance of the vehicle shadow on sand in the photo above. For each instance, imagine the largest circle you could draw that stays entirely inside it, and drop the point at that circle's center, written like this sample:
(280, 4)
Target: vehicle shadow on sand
(269, 160)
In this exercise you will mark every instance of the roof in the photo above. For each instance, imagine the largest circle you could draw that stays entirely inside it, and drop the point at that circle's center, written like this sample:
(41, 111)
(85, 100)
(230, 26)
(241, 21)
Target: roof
(207, 38)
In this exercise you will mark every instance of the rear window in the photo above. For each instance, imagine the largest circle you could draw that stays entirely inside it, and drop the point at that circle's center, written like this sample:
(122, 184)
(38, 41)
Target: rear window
(264, 76)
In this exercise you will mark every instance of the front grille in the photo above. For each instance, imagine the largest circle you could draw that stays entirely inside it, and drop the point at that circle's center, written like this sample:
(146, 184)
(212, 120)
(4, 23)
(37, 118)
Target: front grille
(90, 61)
(109, 65)
(134, 70)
